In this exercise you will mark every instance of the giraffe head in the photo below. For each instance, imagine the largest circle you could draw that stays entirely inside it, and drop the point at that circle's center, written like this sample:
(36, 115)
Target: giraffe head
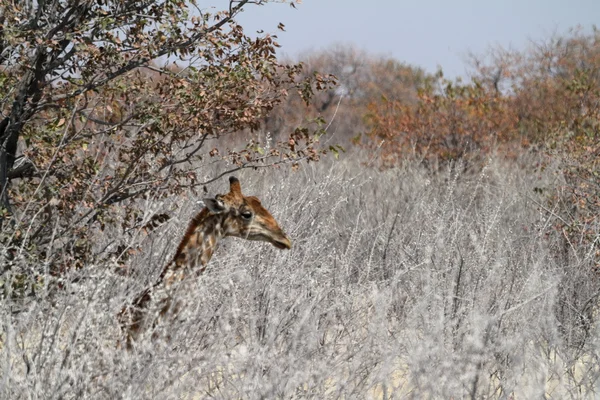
(245, 217)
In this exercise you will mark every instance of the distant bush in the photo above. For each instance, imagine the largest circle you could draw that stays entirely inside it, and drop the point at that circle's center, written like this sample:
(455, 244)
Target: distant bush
(546, 97)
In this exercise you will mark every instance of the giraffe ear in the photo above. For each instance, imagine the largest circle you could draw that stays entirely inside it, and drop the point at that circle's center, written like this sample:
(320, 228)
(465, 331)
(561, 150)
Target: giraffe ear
(214, 205)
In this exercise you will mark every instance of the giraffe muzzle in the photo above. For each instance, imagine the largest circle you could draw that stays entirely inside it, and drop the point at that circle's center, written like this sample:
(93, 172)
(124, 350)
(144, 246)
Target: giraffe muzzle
(284, 243)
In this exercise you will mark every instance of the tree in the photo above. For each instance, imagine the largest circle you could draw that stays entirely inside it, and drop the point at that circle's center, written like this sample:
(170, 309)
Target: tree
(362, 78)
(91, 120)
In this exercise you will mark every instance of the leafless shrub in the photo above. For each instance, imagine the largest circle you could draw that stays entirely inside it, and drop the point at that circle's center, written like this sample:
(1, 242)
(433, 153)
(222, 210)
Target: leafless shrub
(400, 284)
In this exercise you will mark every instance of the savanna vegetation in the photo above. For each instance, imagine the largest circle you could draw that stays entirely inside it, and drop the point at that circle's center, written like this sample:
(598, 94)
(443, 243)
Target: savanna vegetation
(445, 232)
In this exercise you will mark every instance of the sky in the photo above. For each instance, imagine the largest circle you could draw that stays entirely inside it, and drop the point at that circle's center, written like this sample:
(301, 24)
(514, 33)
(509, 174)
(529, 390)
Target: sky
(424, 33)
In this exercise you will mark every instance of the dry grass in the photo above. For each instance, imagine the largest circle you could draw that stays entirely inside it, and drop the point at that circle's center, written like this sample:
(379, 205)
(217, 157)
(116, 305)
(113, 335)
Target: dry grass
(400, 284)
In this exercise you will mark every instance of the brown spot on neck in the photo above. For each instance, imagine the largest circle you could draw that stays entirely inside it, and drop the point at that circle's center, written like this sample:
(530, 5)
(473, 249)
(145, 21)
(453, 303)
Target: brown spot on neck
(197, 223)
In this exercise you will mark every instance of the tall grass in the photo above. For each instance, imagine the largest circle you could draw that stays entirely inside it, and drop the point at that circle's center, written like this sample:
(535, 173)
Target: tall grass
(400, 284)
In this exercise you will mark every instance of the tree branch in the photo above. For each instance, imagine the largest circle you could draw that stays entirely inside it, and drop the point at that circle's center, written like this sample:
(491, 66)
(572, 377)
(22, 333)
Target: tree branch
(133, 64)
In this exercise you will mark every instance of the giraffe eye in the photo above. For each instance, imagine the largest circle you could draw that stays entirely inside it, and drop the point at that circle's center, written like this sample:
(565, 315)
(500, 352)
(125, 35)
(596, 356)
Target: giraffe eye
(246, 214)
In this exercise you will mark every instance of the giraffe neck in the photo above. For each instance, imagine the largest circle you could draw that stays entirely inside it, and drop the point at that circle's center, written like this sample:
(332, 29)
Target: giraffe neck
(198, 244)
(195, 250)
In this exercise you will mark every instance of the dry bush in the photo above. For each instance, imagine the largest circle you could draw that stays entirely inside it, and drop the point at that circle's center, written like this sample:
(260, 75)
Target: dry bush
(554, 88)
(400, 283)
(546, 97)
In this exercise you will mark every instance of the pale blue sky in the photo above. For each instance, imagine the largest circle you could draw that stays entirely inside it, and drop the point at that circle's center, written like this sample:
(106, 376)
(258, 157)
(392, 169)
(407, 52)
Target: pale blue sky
(425, 33)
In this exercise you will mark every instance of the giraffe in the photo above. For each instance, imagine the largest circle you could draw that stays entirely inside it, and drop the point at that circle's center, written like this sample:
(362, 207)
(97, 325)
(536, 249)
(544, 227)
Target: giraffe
(231, 214)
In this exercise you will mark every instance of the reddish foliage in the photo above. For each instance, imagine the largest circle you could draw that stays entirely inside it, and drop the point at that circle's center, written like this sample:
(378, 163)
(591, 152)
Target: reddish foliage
(547, 96)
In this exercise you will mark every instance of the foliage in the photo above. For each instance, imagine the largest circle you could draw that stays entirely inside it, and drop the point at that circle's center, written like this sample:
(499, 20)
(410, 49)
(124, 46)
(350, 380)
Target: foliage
(93, 126)
(554, 88)
(361, 78)
(547, 97)
(449, 121)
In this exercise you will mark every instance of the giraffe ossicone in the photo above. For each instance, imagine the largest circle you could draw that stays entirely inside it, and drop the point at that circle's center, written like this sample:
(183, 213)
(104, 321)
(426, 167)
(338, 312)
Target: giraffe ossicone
(231, 214)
